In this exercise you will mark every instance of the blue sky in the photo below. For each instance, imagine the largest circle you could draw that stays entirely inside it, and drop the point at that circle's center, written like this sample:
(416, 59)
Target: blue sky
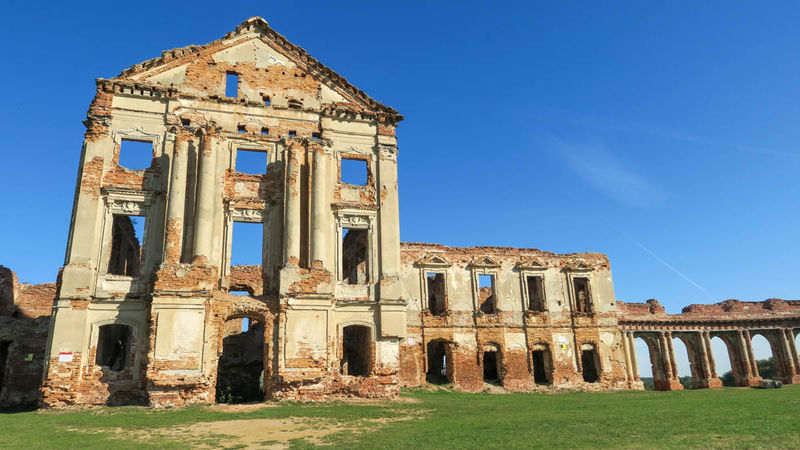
(664, 135)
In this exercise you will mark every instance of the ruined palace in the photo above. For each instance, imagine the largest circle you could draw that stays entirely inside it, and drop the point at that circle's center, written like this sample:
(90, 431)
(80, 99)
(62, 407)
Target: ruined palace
(249, 132)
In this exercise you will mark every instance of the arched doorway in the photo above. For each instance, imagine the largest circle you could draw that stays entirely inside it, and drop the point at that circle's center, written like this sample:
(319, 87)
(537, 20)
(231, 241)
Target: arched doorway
(722, 354)
(492, 362)
(684, 362)
(542, 362)
(240, 371)
(765, 357)
(648, 371)
(590, 363)
(439, 366)
(356, 351)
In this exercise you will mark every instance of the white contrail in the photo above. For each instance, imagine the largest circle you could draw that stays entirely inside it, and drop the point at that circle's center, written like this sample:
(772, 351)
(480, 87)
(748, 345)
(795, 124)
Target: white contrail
(638, 244)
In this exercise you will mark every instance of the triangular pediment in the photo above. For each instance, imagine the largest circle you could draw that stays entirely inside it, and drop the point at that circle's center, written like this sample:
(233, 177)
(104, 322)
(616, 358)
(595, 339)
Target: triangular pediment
(484, 261)
(268, 65)
(433, 260)
(531, 263)
(577, 265)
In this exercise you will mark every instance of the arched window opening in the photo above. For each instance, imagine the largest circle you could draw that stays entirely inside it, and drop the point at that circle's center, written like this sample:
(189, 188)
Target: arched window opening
(590, 363)
(438, 364)
(113, 346)
(356, 351)
(240, 372)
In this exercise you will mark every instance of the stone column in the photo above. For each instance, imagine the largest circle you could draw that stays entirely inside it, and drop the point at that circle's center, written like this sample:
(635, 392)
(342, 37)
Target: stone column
(672, 356)
(793, 347)
(635, 360)
(204, 212)
(712, 363)
(789, 359)
(320, 209)
(665, 356)
(750, 354)
(746, 368)
(291, 249)
(626, 348)
(177, 200)
(700, 341)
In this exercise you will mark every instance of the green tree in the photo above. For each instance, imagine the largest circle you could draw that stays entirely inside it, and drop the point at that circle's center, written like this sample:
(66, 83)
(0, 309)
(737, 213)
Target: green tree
(766, 369)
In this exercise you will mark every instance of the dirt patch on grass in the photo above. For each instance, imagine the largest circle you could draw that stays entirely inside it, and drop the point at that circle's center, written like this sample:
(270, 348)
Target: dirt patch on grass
(249, 433)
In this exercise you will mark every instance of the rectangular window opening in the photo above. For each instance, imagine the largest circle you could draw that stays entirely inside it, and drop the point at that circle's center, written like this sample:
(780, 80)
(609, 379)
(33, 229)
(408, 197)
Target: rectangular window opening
(535, 293)
(265, 131)
(245, 324)
(316, 135)
(355, 247)
(232, 84)
(292, 133)
(113, 346)
(127, 233)
(247, 244)
(241, 128)
(253, 162)
(436, 293)
(186, 122)
(135, 155)
(353, 171)
(583, 295)
(267, 101)
(486, 297)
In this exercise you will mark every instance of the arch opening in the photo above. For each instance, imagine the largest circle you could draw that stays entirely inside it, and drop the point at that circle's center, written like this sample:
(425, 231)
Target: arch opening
(542, 363)
(356, 351)
(492, 360)
(685, 363)
(439, 367)
(764, 356)
(590, 363)
(240, 370)
(645, 360)
(723, 357)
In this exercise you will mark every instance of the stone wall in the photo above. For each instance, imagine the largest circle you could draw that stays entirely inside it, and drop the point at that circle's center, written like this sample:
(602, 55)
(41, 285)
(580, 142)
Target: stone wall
(24, 321)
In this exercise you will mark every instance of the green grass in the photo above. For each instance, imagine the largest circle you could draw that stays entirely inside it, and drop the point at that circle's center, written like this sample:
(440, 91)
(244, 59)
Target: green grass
(731, 417)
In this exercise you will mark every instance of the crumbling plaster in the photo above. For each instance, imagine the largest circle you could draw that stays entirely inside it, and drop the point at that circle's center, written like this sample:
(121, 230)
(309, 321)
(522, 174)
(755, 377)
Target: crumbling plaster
(179, 307)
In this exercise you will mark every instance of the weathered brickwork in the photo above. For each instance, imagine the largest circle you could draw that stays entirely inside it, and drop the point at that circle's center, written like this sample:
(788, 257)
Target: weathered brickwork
(733, 321)
(24, 320)
(512, 327)
(152, 306)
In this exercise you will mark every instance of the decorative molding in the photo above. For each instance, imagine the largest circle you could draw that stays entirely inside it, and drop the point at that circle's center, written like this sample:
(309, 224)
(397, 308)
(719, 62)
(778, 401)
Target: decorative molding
(532, 263)
(387, 151)
(354, 150)
(578, 265)
(137, 132)
(434, 260)
(483, 262)
(247, 215)
(354, 221)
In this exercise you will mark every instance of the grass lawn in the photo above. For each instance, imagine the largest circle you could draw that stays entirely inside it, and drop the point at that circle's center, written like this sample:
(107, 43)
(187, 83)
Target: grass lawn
(731, 417)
